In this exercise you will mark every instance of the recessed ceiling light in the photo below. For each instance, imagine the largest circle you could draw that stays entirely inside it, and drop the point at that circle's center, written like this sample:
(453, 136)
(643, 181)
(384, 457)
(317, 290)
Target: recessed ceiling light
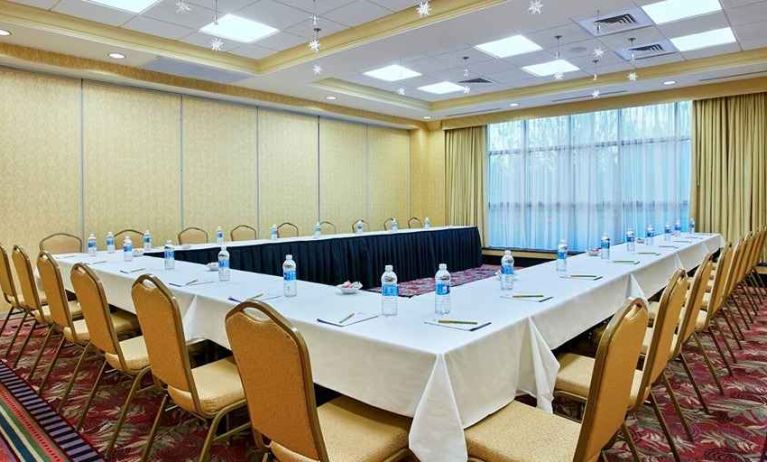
(704, 39)
(134, 6)
(239, 29)
(427, 117)
(514, 105)
(392, 73)
(509, 46)
(674, 10)
(669, 82)
(441, 88)
(116, 55)
(330, 98)
(4, 33)
(551, 68)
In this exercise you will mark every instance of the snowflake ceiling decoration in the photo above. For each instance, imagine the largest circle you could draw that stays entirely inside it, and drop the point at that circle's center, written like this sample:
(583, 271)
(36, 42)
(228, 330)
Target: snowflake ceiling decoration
(595, 94)
(423, 9)
(632, 76)
(182, 7)
(466, 89)
(535, 7)
(559, 76)
(317, 69)
(216, 44)
(401, 91)
(598, 52)
(314, 45)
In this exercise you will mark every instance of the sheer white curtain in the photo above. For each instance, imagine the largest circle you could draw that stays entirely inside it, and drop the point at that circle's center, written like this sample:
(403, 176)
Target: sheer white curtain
(576, 177)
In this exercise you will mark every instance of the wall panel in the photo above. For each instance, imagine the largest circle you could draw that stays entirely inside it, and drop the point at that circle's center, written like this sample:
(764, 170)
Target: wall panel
(132, 155)
(427, 149)
(343, 185)
(288, 170)
(220, 165)
(388, 176)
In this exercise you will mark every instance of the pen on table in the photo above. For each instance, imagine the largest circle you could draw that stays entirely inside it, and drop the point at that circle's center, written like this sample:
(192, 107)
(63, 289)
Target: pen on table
(527, 295)
(346, 319)
(583, 276)
(453, 321)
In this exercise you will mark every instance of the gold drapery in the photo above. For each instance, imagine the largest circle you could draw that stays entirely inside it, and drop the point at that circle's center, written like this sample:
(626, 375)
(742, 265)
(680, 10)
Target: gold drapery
(466, 153)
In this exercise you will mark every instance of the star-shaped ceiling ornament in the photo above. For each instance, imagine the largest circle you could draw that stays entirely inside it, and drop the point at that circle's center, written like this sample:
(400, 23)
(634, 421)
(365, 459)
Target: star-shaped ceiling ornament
(317, 69)
(423, 9)
(595, 94)
(598, 53)
(216, 44)
(314, 45)
(182, 7)
(535, 7)
(632, 76)
(559, 76)
(466, 90)
(401, 91)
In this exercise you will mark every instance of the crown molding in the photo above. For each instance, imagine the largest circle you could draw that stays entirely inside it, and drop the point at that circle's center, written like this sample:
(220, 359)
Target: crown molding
(371, 94)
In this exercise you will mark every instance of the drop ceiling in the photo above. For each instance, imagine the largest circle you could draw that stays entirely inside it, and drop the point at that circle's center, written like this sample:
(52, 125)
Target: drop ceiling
(435, 51)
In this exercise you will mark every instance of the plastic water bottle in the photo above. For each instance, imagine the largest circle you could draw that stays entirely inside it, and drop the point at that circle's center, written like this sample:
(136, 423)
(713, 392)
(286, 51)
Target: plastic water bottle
(289, 277)
(442, 290)
(147, 240)
(127, 249)
(389, 292)
(631, 240)
(219, 236)
(394, 225)
(562, 256)
(92, 246)
(692, 225)
(170, 256)
(649, 238)
(274, 234)
(604, 247)
(667, 233)
(507, 271)
(359, 228)
(426, 223)
(110, 242)
(224, 272)
(677, 228)
(317, 229)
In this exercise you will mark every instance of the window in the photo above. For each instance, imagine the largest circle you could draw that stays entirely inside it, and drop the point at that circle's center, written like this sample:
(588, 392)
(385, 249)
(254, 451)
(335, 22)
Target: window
(579, 176)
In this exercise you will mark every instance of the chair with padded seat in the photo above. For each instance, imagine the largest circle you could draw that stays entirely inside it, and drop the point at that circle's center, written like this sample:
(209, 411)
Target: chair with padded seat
(11, 297)
(282, 405)
(522, 433)
(193, 235)
(414, 222)
(330, 226)
(209, 392)
(243, 233)
(288, 229)
(136, 237)
(364, 224)
(61, 243)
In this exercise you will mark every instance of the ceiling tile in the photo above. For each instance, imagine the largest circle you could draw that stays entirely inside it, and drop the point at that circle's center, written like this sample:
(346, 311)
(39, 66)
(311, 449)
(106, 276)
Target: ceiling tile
(396, 5)
(736, 3)
(157, 27)
(665, 59)
(644, 36)
(281, 41)
(425, 64)
(712, 51)
(512, 76)
(274, 14)
(305, 28)
(224, 6)
(751, 32)
(46, 4)
(584, 48)
(194, 19)
(93, 12)
(252, 51)
(493, 66)
(203, 40)
(751, 13)
(323, 6)
(694, 25)
(570, 33)
(357, 13)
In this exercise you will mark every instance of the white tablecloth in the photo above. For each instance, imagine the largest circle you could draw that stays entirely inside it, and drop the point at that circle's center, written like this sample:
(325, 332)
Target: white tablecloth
(445, 379)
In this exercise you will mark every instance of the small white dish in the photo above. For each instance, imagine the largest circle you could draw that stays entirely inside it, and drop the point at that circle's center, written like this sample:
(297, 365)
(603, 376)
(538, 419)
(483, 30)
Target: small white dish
(212, 266)
(348, 288)
(186, 246)
(593, 252)
(138, 252)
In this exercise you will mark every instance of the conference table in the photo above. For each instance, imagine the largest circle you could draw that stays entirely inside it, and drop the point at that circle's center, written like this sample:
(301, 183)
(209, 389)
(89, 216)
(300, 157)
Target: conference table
(445, 378)
(335, 258)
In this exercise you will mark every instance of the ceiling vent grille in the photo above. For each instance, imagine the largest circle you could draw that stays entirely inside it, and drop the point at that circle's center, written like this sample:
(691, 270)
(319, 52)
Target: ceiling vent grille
(585, 97)
(614, 23)
(647, 51)
(476, 80)
(479, 111)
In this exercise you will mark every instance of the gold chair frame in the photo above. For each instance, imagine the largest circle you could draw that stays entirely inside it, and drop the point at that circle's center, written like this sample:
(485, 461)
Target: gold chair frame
(44, 247)
(233, 232)
(364, 225)
(288, 224)
(329, 224)
(193, 231)
(411, 220)
(136, 236)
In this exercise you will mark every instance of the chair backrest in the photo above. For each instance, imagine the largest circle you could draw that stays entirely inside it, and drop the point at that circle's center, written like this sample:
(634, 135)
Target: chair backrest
(276, 374)
(61, 243)
(7, 284)
(388, 223)
(93, 301)
(694, 303)
(244, 233)
(612, 379)
(160, 321)
(287, 229)
(135, 235)
(666, 321)
(193, 235)
(732, 274)
(330, 225)
(365, 226)
(718, 290)
(26, 276)
(53, 286)
(414, 222)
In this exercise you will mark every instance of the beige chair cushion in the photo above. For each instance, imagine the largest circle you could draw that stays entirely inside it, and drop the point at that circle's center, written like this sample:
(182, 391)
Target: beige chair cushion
(521, 433)
(700, 323)
(45, 318)
(355, 432)
(648, 339)
(134, 353)
(122, 321)
(574, 377)
(218, 385)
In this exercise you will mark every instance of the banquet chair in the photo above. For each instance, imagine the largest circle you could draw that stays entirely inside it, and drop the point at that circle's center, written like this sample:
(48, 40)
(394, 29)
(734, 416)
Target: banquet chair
(103, 331)
(11, 297)
(193, 235)
(729, 306)
(61, 243)
(328, 224)
(282, 405)
(288, 226)
(365, 226)
(523, 433)
(389, 223)
(243, 233)
(416, 221)
(576, 371)
(136, 236)
(209, 392)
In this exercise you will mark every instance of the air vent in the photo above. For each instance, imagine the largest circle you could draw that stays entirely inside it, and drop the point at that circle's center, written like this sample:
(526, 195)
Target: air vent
(468, 113)
(585, 97)
(648, 50)
(476, 80)
(195, 71)
(733, 76)
(614, 23)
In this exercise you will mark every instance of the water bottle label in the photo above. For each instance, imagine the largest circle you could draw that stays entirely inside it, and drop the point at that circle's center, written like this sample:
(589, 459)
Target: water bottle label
(605, 244)
(389, 290)
(110, 242)
(442, 288)
(128, 248)
(223, 263)
(91, 244)
(561, 254)
(507, 269)
(667, 229)
(289, 275)
(169, 253)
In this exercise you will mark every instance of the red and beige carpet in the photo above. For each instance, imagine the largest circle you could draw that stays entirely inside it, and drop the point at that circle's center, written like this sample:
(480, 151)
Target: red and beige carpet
(30, 429)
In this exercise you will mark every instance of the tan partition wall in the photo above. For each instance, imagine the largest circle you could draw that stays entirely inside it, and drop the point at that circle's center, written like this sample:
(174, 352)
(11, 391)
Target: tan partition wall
(40, 158)
(388, 176)
(427, 150)
(288, 170)
(132, 160)
(219, 164)
(343, 179)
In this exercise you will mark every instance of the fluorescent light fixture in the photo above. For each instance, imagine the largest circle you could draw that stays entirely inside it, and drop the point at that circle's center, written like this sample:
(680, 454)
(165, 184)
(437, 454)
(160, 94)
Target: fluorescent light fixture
(239, 29)
(4, 33)
(674, 10)
(669, 82)
(392, 73)
(134, 6)
(551, 68)
(441, 88)
(330, 98)
(116, 55)
(427, 117)
(704, 39)
(509, 46)
(514, 105)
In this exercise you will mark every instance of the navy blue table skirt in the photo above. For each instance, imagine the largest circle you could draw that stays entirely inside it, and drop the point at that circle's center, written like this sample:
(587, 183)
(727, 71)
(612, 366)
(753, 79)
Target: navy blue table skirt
(361, 258)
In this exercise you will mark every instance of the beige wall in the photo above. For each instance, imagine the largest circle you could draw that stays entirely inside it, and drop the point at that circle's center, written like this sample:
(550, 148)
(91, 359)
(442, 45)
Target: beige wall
(427, 157)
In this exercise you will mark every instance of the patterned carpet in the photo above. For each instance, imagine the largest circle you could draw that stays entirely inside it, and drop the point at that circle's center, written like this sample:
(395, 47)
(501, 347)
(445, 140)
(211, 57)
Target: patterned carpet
(734, 432)
(426, 285)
